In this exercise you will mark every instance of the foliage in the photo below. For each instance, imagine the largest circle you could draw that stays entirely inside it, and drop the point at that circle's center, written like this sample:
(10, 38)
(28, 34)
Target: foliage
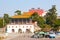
(18, 12)
(39, 19)
(6, 19)
(1, 22)
(34, 16)
(56, 24)
(51, 16)
(46, 27)
(40, 22)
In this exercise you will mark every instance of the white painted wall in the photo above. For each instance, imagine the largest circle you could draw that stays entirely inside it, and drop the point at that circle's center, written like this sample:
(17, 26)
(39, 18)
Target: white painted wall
(9, 28)
(43, 14)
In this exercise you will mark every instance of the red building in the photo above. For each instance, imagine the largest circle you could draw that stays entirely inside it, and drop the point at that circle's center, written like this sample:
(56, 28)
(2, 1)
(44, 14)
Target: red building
(39, 11)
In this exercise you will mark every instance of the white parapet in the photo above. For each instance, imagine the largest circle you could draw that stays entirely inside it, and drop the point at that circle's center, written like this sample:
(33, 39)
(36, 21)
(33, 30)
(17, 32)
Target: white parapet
(15, 28)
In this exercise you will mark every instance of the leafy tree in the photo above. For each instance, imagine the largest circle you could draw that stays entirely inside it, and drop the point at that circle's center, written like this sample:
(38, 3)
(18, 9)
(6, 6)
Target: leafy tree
(6, 19)
(35, 16)
(18, 12)
(40, 21)
(46, 27)
(56, 24)
(51, 16)
(1, 22)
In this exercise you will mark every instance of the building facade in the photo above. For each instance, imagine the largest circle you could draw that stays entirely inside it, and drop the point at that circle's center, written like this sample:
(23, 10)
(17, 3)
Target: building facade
(20, 24)
(40, 12)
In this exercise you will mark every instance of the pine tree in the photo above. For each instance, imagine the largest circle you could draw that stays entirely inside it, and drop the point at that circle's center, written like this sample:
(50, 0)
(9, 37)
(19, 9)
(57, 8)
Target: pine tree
(51, 16)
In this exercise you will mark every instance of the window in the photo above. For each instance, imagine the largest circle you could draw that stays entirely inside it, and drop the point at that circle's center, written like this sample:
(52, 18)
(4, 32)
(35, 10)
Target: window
(12, 26)
(27, 26)
(30, 26)
(23, 26)
(9, 26)
(16, 26)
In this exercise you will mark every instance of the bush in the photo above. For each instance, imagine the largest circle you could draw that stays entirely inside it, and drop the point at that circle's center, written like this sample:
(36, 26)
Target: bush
(46, 27)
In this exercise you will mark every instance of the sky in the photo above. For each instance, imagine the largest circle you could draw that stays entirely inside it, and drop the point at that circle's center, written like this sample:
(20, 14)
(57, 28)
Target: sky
(10, 6)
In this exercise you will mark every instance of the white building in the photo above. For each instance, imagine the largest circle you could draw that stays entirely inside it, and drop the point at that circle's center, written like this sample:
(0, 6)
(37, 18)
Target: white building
(44, 13)
(20, 24)
(20, 28)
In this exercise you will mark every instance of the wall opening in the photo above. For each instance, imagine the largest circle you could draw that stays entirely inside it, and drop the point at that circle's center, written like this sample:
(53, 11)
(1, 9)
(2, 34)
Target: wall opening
(28, 31)
(13, 30)
(19, 31)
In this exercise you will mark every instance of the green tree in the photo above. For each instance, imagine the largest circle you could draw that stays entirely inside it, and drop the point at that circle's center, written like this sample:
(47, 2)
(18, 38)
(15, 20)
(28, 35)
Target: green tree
(57, 24)
(1, 22)
(40, 21)
(51, 16)
(6, 19)
(18, 12)
(35, 16)
(46, 27)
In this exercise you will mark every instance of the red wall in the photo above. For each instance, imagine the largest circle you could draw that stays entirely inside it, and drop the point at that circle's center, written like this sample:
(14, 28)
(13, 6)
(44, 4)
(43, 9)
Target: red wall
(39, 11)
